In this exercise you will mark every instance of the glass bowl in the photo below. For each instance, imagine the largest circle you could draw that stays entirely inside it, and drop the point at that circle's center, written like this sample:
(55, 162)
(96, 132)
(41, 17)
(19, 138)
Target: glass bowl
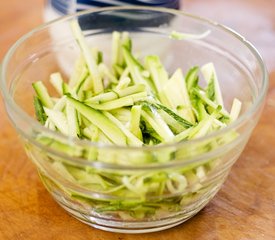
(150, 192)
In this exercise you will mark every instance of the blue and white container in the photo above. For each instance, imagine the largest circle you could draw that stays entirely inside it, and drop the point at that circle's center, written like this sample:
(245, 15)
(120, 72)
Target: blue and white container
(57, 8)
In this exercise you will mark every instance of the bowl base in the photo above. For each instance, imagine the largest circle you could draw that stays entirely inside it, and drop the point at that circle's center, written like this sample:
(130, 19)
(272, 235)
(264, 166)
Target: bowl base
(132, 228)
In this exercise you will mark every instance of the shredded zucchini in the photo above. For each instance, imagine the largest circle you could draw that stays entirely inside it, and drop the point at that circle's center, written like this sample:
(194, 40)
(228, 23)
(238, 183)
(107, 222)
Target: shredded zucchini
(134, 104)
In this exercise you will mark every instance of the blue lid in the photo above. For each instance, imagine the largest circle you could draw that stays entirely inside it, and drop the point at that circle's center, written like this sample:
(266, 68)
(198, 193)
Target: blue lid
(63, 6)
(83, 4)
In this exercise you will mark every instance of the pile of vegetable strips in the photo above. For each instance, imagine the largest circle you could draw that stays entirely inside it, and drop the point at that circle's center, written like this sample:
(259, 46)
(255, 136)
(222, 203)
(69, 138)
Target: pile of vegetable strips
(134, 102)
(131, 103)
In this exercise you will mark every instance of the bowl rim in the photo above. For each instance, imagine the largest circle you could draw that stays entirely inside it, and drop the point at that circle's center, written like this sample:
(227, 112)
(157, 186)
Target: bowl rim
(11, 104)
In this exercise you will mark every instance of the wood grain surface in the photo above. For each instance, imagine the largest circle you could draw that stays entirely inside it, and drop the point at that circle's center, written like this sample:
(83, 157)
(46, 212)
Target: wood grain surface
(243, 209)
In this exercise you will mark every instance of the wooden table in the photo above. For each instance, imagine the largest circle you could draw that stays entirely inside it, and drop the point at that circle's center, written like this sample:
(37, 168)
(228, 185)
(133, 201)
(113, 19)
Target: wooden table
(243, 209)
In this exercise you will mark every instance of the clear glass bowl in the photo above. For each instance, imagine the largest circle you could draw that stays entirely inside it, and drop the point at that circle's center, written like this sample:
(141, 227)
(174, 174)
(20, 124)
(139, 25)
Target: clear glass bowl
(139, 200)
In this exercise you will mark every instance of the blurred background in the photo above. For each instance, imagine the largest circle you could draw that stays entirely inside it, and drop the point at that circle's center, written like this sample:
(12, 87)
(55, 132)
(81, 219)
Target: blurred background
(254, 19)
